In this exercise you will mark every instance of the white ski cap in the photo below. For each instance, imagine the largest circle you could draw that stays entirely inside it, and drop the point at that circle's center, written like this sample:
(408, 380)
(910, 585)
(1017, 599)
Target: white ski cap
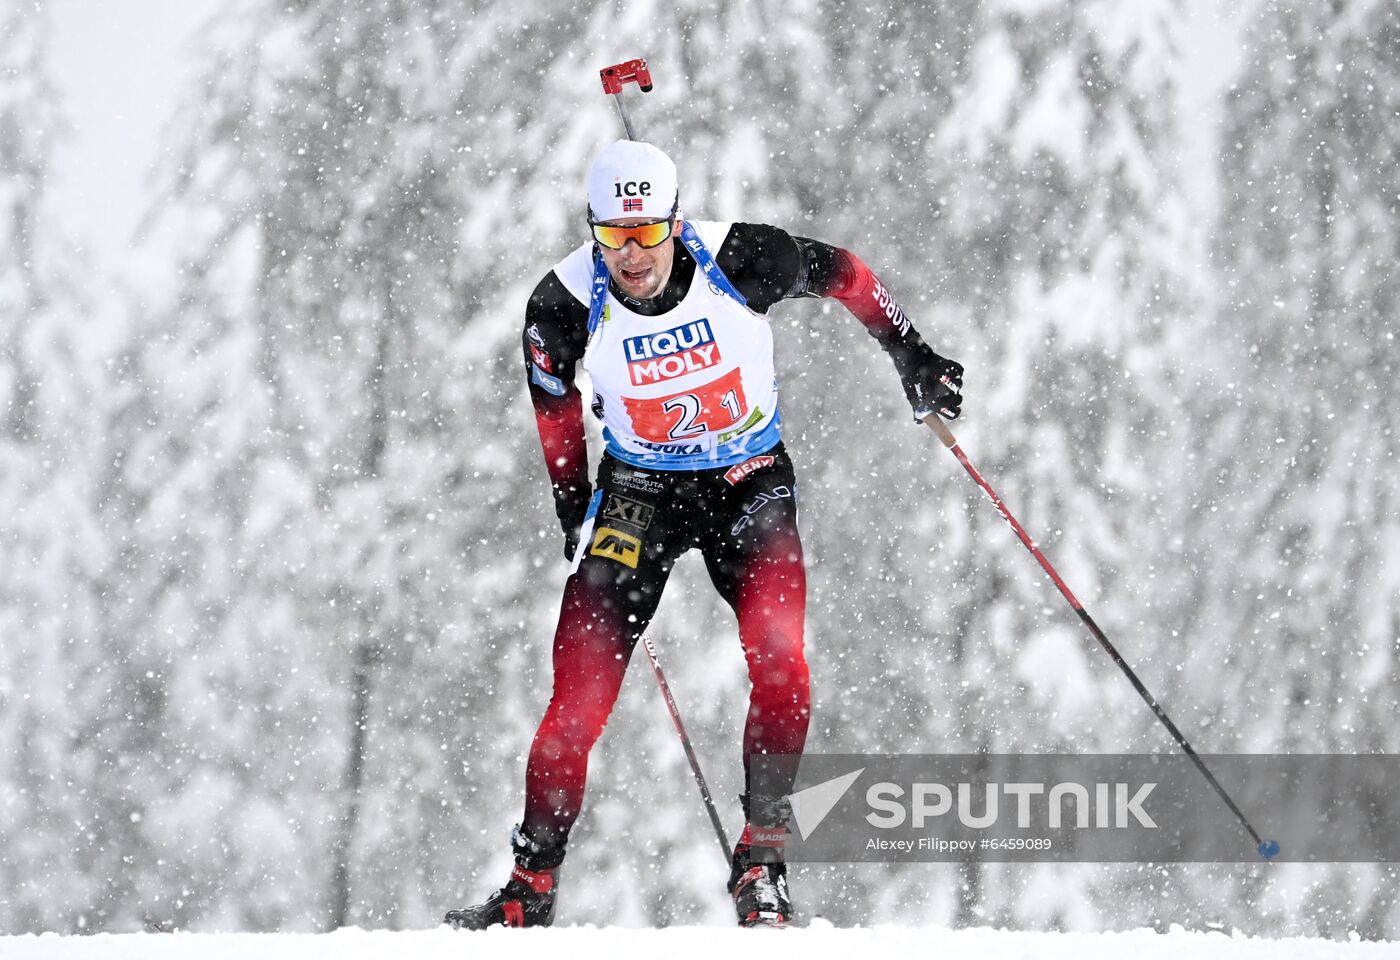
(631, 179)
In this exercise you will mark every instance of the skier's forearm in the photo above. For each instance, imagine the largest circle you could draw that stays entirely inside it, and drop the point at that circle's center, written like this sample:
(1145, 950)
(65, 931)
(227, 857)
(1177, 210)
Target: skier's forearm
(849, 281)
(857, 288)
(931, 383)
(560, 423)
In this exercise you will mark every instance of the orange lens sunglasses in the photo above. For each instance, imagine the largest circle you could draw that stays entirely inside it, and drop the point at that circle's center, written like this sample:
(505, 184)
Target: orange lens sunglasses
(646, 234)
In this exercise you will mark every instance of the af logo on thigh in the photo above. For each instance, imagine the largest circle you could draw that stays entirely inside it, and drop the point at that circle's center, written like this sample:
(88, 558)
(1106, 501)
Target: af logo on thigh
(616, 545)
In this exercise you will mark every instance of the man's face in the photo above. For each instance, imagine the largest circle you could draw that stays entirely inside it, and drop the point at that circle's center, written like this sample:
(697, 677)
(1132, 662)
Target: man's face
(640, 272)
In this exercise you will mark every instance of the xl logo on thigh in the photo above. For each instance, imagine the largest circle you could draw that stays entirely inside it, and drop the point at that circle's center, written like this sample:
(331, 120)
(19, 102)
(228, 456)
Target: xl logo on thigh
(622, 510)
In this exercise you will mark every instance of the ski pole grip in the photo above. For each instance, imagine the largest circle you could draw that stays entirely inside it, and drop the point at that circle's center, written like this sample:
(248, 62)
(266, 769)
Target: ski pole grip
(632, 71)
(936, 424)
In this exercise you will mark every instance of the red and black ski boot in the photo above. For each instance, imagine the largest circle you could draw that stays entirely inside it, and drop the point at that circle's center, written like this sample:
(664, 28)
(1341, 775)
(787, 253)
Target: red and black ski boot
(527, 899)
(758, 878)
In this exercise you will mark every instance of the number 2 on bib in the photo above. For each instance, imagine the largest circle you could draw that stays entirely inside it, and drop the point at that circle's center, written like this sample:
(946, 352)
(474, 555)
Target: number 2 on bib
(698, 411)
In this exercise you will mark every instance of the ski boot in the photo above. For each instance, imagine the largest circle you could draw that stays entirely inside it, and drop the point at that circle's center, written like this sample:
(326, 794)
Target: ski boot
(527, 899)
(758, 875)
(761, 896)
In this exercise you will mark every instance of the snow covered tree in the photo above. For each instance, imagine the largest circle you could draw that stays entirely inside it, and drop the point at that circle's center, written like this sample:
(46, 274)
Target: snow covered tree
(1307, 239)
(1304, 492)
(292, 458)
(1065, 244)
(51, 549)
(1048, 245)
(1020, 199)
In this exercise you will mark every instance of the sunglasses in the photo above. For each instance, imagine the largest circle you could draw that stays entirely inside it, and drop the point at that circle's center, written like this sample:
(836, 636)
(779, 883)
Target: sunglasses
(646, 234)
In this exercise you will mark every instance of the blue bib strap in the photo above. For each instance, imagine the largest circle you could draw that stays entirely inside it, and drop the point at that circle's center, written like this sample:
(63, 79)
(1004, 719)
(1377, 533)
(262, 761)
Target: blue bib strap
(706, 262)
(598, 292)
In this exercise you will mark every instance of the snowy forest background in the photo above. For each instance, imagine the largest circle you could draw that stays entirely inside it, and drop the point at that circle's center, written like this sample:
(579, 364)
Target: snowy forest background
(278, 566)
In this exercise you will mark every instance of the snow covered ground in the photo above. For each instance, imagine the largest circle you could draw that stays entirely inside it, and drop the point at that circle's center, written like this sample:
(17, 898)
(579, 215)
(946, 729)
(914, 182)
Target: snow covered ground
(675, 943)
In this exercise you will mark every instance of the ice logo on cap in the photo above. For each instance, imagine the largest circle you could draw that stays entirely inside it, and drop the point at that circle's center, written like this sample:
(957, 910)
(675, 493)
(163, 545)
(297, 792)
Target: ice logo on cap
(632, 188)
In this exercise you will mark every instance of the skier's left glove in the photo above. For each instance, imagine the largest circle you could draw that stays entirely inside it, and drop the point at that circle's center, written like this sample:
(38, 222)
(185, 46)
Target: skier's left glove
(933, 384)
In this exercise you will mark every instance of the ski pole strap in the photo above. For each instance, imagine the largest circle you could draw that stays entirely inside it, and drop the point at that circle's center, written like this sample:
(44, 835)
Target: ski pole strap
(598, 292)
(706, 262)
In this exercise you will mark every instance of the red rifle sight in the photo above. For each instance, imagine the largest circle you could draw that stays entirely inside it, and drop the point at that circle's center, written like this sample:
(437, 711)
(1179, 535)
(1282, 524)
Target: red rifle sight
(621, 73)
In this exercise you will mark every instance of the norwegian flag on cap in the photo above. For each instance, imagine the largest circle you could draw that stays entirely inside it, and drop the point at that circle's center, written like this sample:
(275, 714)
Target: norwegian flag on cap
(628, 206)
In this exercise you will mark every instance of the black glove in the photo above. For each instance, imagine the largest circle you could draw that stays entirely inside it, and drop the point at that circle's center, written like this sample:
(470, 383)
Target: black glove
(571, 507)
(933, 384)
(571, 532)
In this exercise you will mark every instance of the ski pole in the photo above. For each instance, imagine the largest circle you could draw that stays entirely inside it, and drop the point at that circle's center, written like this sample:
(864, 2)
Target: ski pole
(620, 74)
(614, 78)
(1268, 849)
(689, 750)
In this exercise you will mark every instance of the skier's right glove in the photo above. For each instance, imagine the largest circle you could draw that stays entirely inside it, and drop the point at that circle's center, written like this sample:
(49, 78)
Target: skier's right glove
(571, 506)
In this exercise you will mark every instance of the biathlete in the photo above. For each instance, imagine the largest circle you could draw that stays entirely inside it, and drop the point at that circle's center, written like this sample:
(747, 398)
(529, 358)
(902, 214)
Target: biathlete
(668, 317)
